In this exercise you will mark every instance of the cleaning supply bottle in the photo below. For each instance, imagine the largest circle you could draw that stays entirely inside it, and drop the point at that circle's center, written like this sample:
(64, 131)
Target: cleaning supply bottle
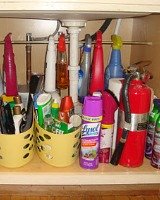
(55, 109)
(84, 71)
(109, 106)
(17, 118)
(151, 126)
(90, 133)
(10, 75)
(155, 160)
(97, 69)
(114, 68)
(50, 72)
(62, 79)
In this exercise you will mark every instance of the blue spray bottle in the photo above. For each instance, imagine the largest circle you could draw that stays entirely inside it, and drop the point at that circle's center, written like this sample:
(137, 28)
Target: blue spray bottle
(114, 68)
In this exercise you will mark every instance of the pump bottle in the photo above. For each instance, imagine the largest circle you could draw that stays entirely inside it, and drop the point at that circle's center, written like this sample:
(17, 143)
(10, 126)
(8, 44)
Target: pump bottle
(114, 68)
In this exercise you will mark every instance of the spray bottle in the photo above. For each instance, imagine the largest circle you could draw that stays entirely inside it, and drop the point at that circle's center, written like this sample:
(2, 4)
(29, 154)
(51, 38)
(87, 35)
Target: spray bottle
(62, 79)
(90, 134)
(114, 69)
(50, 72)
(97, 74)
(9, 68)
(110, 105)
(85, 69)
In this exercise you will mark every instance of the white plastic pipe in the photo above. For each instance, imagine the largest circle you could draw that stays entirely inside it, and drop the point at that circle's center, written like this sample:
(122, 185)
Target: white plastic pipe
(50, 71)
(74, 60)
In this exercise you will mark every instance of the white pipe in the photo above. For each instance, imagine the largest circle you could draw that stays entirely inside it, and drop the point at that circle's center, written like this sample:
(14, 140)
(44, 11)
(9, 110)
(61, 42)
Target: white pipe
(74, 60)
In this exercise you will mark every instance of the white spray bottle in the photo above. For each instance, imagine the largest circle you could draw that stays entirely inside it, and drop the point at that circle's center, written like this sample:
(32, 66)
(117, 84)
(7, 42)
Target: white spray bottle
(50, 72)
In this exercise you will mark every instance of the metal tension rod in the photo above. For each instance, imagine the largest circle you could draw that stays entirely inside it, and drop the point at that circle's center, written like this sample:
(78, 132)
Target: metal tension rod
(80, 43)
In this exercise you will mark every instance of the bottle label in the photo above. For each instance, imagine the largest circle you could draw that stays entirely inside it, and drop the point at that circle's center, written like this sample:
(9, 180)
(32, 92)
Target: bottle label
(138, 121)
(91, 119)
(106, 137)
(90, 145)
(149, 141)
(156, 150)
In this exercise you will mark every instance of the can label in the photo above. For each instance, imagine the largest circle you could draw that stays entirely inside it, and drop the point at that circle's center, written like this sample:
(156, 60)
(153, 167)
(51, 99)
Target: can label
(138, 121)
(106, 137)
(155, 160)
(149, 141)
(90, 145)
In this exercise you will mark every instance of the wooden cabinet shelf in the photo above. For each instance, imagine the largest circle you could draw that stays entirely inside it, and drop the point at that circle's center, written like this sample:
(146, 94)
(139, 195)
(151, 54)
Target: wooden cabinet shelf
(39, 173)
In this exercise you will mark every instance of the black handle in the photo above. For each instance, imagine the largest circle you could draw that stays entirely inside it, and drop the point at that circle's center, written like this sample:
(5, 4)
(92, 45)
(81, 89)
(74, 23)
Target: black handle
(119, 148)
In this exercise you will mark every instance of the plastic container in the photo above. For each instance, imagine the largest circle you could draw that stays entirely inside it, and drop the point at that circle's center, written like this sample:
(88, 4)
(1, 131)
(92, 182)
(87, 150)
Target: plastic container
(59, 150)
(16, 150)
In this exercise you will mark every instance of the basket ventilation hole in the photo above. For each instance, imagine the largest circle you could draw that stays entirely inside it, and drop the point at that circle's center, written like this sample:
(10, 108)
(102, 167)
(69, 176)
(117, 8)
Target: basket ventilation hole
(73, 155)
(47, 136)
(31, 137)
(26, 146)
(49, 156)
(38, 148)
(77, 135)
(41, 138)
(0, 157)
(31, 147)
(38, 140)
(75, 144)
(27, 136)
(42, 148)
(37, 130)
(26, 155)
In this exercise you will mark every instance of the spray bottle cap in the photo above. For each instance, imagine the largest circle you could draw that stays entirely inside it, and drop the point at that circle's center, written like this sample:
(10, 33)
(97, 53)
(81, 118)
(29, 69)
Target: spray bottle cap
(110, 105)
(117, 41)
(61, 43)
(55, 104)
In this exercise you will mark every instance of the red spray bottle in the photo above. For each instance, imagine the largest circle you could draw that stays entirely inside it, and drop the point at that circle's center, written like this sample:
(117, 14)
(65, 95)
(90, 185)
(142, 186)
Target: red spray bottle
(10, 68)
(97, 73)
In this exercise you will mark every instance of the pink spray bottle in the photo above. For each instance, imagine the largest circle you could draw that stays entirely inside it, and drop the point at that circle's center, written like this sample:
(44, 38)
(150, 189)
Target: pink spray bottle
(10, 68)
(97, 73)
(109, 106)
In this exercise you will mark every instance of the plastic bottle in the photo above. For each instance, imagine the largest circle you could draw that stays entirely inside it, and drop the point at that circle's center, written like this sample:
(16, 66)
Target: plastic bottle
(50, 72)
(110, 105)
(17, 118)
(153, 116)
(55, 109)
(62, 79)
(10, 75)
(44, 107)
(114, 68)
(155, 159)
(84, 71)
(18, 102)
(1, 85)
(97, 69)
(48, 123)
(90, 134)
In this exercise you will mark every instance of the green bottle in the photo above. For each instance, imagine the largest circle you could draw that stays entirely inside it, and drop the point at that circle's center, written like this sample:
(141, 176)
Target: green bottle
(155, 160)
(55, 109)
(153, 116)
(48, 123)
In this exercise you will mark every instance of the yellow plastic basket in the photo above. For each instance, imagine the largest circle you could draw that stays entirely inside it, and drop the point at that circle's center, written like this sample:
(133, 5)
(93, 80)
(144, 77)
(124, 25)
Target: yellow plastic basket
(59, 150)
(16, 150)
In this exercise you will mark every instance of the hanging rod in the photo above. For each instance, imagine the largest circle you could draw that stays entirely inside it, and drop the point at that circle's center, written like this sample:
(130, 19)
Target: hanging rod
(80, 43)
